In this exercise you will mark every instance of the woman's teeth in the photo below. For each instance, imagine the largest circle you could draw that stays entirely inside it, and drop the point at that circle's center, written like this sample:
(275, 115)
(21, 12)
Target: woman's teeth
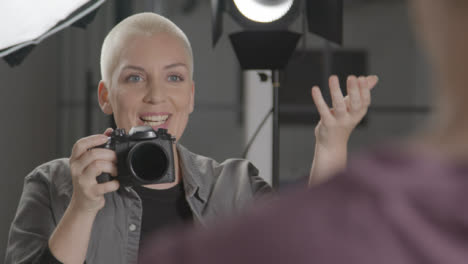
(153, 123)
(154, 120)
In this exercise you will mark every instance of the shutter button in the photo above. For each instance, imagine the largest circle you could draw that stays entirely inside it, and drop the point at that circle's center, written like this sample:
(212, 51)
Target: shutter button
(132, 227)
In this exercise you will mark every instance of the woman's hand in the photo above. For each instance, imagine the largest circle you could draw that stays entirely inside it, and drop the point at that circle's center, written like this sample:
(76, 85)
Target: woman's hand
(336, 124)
(70, 240)
(86, 163)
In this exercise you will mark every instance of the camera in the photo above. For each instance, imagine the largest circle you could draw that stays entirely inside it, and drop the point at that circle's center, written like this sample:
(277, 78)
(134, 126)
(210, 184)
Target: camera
(144, 156)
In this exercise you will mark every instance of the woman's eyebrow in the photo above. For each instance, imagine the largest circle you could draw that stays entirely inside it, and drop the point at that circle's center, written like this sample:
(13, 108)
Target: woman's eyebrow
(176, 65)
(133, 67)
(139, 68)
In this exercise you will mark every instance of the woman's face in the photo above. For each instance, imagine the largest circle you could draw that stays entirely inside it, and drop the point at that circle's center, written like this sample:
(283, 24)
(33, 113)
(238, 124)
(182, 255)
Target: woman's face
(151, 85)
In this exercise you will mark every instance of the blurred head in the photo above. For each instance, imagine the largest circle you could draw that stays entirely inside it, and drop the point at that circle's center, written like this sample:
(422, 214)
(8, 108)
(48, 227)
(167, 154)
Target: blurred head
(442, 27)
(147, 69)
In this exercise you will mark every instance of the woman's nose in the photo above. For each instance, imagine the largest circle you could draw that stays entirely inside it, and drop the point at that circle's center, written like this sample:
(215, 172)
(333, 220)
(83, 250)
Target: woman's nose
(154, 94)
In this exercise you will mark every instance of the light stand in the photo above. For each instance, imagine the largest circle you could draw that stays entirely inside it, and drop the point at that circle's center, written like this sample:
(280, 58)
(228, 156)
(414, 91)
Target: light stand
(275, 79)
(267, 50)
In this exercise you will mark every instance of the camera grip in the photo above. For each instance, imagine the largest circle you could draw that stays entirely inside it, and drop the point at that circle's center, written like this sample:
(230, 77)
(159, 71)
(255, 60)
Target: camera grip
(104, 177)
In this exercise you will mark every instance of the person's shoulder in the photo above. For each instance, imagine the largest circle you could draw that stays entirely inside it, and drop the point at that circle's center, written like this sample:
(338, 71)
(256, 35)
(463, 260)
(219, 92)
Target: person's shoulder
(233, 165)
(55, 172)
(194, 161)
(49, 169)
(232, 171)
(243, 166)
(244, 172)
(243, 175)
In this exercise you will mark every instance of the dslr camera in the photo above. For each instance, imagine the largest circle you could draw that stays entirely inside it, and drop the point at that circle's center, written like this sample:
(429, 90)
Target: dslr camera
(144, 156)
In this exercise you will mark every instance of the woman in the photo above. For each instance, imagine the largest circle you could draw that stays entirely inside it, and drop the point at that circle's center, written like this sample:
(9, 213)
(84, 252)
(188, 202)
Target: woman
(65, 216)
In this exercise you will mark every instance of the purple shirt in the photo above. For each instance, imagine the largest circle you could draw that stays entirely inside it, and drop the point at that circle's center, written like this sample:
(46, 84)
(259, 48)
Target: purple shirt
(388, 207)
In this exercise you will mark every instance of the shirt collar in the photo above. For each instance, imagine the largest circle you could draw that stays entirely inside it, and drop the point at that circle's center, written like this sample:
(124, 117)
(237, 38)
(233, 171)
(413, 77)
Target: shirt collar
(196, 181)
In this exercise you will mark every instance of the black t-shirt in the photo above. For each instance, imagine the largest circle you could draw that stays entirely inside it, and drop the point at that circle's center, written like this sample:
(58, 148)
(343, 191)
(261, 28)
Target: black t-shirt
(161, 209)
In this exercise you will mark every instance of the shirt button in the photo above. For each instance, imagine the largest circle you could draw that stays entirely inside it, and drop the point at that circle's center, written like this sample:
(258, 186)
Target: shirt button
(132, 227)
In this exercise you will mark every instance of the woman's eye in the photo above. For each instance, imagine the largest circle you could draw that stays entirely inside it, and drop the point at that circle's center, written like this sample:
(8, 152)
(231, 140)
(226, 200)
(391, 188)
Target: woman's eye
(134, 78)
(174, 78)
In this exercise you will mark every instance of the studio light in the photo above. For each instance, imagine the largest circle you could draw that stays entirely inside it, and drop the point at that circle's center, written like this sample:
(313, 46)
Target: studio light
(266, 42)
(263, 11)
(324, 17)
(267, 25)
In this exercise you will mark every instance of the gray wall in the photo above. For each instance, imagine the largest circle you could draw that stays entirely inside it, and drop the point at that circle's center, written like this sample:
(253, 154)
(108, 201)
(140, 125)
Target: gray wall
(28, 115)
(42, 106)
(42, 100)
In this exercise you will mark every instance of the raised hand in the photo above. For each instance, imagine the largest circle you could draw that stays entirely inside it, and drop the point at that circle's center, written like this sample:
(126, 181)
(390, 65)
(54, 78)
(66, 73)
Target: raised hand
(336, 124)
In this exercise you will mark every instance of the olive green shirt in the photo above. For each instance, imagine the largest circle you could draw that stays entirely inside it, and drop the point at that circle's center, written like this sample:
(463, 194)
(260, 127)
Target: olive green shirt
(212, 190)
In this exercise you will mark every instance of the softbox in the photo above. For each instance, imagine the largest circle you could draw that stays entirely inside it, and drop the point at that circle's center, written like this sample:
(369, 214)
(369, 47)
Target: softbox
(24, 24)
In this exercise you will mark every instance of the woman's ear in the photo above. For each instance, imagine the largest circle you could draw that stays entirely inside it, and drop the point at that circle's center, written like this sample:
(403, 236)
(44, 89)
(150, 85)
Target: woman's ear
(103, 96)
(192, 97)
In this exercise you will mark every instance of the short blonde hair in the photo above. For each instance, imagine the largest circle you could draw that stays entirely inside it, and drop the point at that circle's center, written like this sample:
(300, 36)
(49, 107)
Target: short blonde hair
(146, 24)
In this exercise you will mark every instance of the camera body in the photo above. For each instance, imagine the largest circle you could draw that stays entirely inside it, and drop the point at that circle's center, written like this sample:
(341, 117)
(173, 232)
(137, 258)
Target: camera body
(144, 156)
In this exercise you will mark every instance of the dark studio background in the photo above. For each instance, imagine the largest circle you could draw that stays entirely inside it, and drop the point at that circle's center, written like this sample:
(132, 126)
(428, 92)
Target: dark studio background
(45, 110)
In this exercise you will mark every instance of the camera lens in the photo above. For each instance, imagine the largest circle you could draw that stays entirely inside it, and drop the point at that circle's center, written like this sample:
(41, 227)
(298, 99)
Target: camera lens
(148, 162)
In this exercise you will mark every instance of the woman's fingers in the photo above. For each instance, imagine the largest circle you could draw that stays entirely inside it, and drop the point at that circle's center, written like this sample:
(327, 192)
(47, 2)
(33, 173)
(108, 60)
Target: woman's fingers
(96, 154)
(365, 87)
(87, 162)
(103, 188)
(320, 104)
(356, 102)
(84, 144)
(98, 167)
(87, 179)
(108, 131)
(79, 165)
(83, 151)
(372, 81)
(338, 101)
(354, 94)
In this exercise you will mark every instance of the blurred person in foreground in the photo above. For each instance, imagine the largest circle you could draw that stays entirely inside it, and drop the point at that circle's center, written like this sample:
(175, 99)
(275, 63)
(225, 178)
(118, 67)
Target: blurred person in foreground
(66, 216)
(399, 203)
